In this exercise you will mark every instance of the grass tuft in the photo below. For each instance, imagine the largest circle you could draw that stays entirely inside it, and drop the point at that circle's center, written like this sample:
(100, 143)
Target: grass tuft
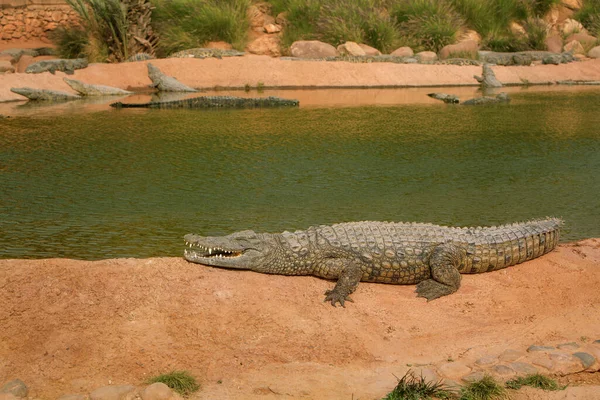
(410, 387)
(180, 381)
(70, 41)
(484, 389)
(534, 380)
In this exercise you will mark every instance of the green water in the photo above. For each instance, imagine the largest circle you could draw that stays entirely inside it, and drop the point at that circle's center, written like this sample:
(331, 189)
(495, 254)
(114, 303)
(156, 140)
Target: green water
(131, 183)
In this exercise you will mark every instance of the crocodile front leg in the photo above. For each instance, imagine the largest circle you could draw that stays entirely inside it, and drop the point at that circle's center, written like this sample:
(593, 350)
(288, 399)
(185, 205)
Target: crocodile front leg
(349, 277)
(445, 278)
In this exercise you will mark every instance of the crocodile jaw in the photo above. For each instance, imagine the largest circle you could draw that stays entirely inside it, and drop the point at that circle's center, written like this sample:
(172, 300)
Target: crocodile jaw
(223, 251)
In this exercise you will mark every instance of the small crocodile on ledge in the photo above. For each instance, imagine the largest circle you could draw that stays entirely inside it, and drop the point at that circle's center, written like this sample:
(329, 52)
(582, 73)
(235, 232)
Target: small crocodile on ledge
(431, 256)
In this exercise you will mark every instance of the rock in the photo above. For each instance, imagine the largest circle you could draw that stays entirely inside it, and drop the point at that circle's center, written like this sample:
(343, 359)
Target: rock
(565, 364)
(425, 57)
(466, 49)
(428, 374)
(470, 35)
(473, 377)
(86, 89)
(568, 346)
(116, 392)
(351, 48)
(6, 66)
(258, 15)
(585, 39)
(485, 361)
(544, 362)
(159, 391)
(572, 4)
(586, 359)
(15, 387)
(446, 98)
(539, 348)
(272, 28)
(571, 26)
(454, 369)
(488, 78)
(594, 52)
(281, 19)
(554, 43)
(522, 368)
(44, 94)
(503, 371)
(166, 83)
(267, 45)
(404, 51)
(517, 30)
(312, 49)
(369, 51)
(574, 47)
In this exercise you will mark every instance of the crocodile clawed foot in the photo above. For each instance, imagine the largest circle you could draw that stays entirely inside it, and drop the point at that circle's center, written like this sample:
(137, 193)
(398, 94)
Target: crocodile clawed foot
(336, 297)
(431, 289)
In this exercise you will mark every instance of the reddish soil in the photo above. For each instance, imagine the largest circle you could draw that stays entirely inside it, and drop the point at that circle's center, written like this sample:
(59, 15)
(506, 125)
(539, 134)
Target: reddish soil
(72, 326)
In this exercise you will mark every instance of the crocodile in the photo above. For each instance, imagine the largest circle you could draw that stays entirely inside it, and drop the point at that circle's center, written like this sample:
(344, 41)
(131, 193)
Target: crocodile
(68, 66)
(431, 256)
(215, 102)
(202, 52)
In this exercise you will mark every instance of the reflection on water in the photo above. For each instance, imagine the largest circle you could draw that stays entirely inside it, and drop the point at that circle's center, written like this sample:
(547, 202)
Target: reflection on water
(116, 183)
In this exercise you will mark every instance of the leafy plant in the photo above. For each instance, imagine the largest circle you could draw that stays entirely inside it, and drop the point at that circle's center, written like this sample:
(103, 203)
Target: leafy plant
(537, 31)
(180, 381)
(410, 387)
(71, 41)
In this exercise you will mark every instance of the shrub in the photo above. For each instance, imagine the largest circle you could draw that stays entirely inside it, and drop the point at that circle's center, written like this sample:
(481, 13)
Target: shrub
(484, 389)
(537, 31)
(491, 16)
(410, 387)
(534, 380)
(180, 381)
(71, 41)
(539, 8)
(589, 16)
(198, 22)
(302, 17)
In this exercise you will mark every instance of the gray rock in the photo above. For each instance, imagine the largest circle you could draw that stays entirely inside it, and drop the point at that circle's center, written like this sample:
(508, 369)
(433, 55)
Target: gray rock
(159, 391)
(484, 361)
(44, 94)
(568, 346)
(116, 392)
(510, 355)
(522, 368)
(503, 370)
(68, 66)
(539, 348)
(86, 89)
(15, 387)
(473, 377)
(586, 359)
(166, 83)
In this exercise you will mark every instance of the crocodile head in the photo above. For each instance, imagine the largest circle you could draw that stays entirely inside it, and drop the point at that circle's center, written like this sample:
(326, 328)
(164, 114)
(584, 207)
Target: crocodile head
(240, 250)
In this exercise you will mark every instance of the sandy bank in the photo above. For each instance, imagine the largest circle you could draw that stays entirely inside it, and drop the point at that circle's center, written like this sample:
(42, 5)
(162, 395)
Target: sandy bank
(71, 326)
(236, 72)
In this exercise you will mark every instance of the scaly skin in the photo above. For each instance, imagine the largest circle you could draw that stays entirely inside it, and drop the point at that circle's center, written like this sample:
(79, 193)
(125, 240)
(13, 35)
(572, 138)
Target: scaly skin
(431, 256)
(202, 52)
(215, 102)
(68, 66)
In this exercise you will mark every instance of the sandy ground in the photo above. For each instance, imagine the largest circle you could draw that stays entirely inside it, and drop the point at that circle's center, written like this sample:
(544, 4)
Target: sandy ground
(237, 72)
(71, 326)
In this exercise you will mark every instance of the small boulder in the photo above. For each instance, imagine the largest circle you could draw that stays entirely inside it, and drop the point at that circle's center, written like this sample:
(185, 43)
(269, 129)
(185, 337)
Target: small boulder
(425, 57)
(466, 49)
(554, 43)
(272, 28)
(583, 38)
(6, 67)
(470, 35)
(571, 26)
(574, 47)
(517, 29)
(159, 391)
(594, 52)
(369, 51)
(351, 49)
(266, 45)
(404, 51)
(312, 49)
(15, 387)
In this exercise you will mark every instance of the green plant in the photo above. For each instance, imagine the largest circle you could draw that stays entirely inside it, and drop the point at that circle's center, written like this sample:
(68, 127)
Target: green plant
(70, 41)
(539, 8)
(184, 24)
(180, 381)
(302, 17)
(485, 389)
(588, 13)
(537, 31)
(534, 380)
(410, 387)
(503, 41)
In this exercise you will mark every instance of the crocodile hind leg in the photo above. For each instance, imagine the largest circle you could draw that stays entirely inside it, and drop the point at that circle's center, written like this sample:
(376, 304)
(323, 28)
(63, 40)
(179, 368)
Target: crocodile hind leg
(349, 277)
(445, 278)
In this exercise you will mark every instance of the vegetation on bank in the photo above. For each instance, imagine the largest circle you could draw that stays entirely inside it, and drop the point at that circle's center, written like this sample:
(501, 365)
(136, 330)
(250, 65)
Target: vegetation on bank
(112, 30)
(180, 381)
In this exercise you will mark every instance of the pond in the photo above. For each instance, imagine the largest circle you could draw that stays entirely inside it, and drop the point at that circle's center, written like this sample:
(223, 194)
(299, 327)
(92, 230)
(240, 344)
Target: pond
(131, 183)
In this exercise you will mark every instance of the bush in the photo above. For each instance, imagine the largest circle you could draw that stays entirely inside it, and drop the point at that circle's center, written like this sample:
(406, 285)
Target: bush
(71, 42)
(537, 31)
(539, 8)
(491, 16)
(198, 22)
(589, 15)
(410, 387)
(180, 381)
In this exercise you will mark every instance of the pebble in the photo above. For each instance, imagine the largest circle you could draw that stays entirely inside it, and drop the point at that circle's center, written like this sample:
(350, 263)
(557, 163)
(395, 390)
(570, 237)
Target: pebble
(539, 348)
(15, 387)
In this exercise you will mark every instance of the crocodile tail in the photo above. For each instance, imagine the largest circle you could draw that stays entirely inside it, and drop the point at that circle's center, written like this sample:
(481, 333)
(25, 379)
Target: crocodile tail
(507, 245)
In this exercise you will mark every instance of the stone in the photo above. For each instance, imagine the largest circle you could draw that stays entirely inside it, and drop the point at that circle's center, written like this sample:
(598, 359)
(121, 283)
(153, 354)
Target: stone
(585, 39)
(370, 51)
(258, 17)
(586, 359)
(350, 48)
(16, 387)
(404, 51)
(487, 360)
(455, 369)
(554, 43)
(543, 362)
(473, 377)
(571, 26)
(426, 57)
(159, 391)
(572, 4)
(272, 28)
(116, 392)
(539, 348)
(522, 368)
(268, 45)
(312, 49)
(503, 370)
(466, 49)
(6, 67)
(574, 47)
(470, 35)
(594, 52)
(568, 346)
(517, 29)
(428, 374)
(166, 83)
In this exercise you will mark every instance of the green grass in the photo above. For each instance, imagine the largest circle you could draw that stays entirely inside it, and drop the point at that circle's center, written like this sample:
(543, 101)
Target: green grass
(484, 389)
(180, 381)
(534, 380)
(410, 387)
(185, 24)
(70, 41)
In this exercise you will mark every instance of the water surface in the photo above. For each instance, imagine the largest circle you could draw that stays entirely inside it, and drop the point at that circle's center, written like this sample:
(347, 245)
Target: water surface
(131, 183)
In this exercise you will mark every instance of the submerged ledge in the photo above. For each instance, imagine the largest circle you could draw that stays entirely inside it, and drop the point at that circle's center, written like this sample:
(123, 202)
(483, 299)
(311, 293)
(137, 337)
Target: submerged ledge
(274, 73)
